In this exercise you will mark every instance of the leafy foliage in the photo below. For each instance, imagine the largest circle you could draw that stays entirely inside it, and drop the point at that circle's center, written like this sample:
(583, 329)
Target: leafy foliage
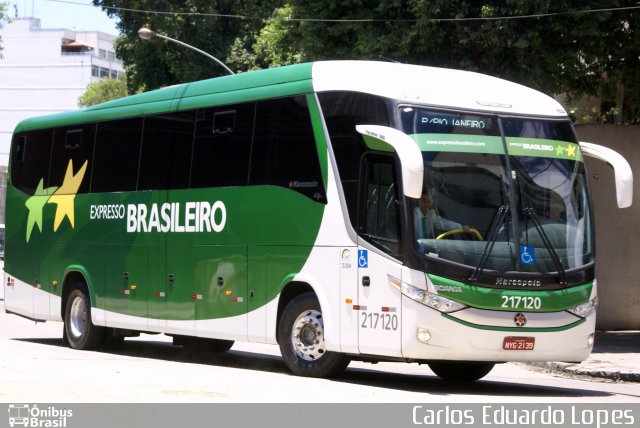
(155, 63)
(554, 46)
(105, 89)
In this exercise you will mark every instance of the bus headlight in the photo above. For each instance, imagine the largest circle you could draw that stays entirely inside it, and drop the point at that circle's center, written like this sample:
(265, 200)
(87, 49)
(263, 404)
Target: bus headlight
(434, 301)
(585, 309)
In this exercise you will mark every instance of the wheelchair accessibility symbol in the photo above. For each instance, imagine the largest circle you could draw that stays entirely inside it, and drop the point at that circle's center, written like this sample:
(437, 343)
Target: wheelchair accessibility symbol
(527, 255)
(363, 258)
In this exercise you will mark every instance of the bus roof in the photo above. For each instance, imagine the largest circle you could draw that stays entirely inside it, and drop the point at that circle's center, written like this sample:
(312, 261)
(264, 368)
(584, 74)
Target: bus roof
(430, 86)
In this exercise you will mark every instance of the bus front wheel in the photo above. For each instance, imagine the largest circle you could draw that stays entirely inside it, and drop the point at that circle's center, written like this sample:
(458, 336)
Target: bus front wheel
(79, 331)
(302, 342)
(462, 371)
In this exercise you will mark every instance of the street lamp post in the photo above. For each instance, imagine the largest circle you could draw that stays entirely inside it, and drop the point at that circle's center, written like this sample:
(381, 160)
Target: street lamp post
(147, 34)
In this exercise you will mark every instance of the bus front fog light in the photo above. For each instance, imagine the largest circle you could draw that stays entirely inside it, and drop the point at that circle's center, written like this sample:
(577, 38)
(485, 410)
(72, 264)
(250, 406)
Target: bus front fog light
(590, 340)
(423, 335)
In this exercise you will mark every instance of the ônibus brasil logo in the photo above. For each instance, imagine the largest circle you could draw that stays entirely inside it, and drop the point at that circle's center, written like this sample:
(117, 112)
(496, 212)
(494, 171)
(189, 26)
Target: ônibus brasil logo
(31, 416)
(201, 216)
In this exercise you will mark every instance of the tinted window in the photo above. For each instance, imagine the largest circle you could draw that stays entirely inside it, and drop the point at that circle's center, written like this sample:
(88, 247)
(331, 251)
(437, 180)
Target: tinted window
(30, 159)
(72, 146)
(117, 152)
(166, 151)
(222, 146)
(561, 131)
(284, 148)
(342, 111)
(415, 120)
(379, 222)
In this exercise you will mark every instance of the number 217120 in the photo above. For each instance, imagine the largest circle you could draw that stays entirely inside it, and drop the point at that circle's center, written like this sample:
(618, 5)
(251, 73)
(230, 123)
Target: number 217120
(382, 321)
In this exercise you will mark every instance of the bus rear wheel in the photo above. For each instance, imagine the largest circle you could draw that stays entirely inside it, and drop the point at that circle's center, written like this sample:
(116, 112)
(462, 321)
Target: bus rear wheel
(462, 371)
(301, 340)
(79, 331)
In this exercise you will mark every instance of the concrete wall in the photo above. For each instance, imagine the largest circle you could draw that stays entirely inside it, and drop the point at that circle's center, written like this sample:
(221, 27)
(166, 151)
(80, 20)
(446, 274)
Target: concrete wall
(37, 78)
(617, 230)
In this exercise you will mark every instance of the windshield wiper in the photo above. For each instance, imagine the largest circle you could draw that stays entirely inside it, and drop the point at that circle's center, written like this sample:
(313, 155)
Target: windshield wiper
(503, 210)
(547, 243)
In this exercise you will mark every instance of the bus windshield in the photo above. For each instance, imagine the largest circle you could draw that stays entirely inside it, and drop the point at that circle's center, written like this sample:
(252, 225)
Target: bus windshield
(500, 194)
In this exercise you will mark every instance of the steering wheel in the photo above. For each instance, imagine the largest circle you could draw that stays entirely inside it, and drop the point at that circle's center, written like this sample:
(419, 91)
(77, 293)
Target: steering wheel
(471, 230)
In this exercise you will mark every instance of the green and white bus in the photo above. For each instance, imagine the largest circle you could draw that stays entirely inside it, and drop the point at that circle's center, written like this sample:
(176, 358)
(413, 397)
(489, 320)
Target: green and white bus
(344, 210)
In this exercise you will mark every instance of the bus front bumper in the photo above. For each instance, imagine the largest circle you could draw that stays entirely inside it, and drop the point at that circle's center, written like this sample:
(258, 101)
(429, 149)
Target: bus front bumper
(482, 335)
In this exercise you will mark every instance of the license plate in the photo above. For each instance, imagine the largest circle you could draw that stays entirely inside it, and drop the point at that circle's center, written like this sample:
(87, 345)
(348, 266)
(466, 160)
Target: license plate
(514, 343)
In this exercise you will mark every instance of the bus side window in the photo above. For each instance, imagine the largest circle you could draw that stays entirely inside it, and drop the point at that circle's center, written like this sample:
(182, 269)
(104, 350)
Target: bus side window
(379, 206)
(342, 111)
(73, 139)
(224, 122)
(166, 151)
(30, 159)
(284, 148)
(222, 146)
(75, 145)
(20, 148)
(117, 154)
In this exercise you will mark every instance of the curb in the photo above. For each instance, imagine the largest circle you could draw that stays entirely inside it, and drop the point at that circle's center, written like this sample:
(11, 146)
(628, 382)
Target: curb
(582, 370)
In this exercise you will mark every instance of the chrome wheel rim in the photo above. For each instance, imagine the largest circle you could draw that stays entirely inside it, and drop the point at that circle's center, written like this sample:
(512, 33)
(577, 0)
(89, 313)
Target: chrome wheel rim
(307, 336)
(77, 317)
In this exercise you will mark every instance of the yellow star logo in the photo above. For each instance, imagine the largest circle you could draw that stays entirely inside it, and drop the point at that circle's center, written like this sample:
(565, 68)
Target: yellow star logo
(66, 194)
(571, 150)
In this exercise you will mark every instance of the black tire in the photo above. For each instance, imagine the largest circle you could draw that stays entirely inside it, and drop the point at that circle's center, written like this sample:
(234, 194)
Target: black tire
(304, 353)
(461, 371)
(79, 331)
(198, 345)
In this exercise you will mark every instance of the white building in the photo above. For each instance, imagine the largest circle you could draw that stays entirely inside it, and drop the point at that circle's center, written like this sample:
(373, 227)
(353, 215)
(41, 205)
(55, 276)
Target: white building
(44, 71)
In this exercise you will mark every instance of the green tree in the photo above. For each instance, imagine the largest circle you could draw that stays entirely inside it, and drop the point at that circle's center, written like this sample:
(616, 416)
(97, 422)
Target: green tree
(554, 46)
(554, 49)
(105, 89)
(155, 63)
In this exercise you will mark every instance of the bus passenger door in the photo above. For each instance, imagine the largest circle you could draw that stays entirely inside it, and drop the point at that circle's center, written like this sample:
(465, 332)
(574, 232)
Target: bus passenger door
(379, 270)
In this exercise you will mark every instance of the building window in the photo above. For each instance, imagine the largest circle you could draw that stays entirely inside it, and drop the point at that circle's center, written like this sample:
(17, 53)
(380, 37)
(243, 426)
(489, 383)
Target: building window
(95, 71)
(102, 53)
(114, 74)
(104, 72)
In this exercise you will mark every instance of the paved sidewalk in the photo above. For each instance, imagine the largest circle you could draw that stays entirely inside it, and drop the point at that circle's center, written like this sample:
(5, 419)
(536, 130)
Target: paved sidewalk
(615, 357)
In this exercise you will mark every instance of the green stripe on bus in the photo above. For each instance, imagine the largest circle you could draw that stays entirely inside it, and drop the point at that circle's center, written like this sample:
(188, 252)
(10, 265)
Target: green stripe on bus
(459, 143)
(497, 299)
(543, 148)
(515, 329)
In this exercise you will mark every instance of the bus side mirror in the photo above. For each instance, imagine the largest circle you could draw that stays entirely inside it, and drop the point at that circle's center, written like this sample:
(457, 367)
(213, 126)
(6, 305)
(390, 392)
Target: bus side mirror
(621, 169)
(385, 139)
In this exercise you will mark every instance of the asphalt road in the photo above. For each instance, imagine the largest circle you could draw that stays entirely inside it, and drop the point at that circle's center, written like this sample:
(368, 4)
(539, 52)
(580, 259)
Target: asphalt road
(35, 366)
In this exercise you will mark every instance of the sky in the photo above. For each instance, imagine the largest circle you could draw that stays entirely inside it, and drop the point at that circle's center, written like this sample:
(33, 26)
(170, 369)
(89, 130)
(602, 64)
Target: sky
(69, 14)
